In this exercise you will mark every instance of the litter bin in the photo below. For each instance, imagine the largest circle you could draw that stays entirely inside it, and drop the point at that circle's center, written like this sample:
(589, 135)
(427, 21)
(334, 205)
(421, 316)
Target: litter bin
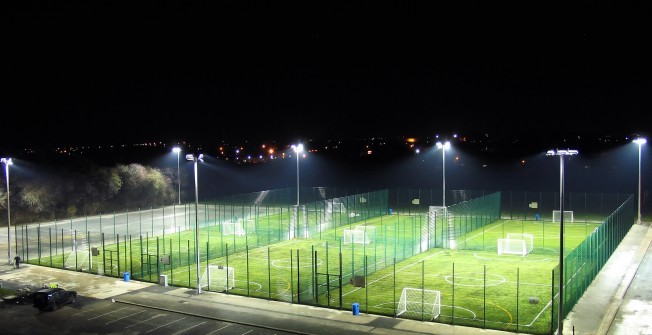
(126, 276)
(356, 308)
(537, 217)
(163, 280)
(390, 211)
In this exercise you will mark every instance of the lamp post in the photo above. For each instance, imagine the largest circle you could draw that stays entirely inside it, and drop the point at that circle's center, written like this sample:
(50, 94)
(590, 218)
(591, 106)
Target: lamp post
(7, 162)
(640, 142)
(561, 154)
(298, 149)
(178, 151)
(194, 159)
(443, 147)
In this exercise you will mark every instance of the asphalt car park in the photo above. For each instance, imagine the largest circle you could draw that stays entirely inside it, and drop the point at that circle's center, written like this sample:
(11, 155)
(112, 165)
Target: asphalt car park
(94, 316)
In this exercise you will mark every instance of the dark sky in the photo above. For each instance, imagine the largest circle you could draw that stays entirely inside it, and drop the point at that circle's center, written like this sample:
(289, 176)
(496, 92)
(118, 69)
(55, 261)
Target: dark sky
(80, 72)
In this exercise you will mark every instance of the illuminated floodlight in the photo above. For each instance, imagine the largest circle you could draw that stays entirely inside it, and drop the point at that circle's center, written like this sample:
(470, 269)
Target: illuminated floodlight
(7, 162)
(640, 142)
(195, 159)
(561, 154)
(298, 149)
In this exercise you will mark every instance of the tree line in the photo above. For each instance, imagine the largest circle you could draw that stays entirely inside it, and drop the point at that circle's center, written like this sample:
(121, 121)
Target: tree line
(90, 190)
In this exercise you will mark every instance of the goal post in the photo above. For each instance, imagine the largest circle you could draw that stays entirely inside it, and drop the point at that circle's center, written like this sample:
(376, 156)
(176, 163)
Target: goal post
(512, 247)
(233, 228)
(218, 278)
(369, 231)
(528, 238)
(568, 216)
(355, 236)
(419, 303)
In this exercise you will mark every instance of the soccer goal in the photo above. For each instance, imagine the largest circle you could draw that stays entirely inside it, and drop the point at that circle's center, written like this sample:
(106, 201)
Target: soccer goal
(336, 206)
(516, 244)
(78, 258)
(369, 231)
(356, 236)
(233, 228)
(218, 278)
(568, 216)
(419, 303)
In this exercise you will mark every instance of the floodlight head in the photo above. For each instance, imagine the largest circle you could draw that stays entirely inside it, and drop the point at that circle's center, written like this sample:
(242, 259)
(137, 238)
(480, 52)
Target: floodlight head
(298, 148)
(7, 161)
(640, 141)
(567, 152)
(445, 145)
(191, 157)
(176, 150)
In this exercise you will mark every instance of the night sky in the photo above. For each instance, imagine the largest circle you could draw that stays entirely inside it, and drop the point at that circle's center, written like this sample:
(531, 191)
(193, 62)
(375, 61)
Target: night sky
(81, 72)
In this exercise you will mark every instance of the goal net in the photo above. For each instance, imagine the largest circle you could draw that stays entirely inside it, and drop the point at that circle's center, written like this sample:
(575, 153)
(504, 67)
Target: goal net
(218, 278)
(335, 206)
(356, 236)
(78, 258)
(556, 216)
(369, 231)
(513, 246)
(419, 303)
(233, 228)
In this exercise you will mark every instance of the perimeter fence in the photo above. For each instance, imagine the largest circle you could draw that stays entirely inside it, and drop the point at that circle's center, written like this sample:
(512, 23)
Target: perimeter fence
(488, 260)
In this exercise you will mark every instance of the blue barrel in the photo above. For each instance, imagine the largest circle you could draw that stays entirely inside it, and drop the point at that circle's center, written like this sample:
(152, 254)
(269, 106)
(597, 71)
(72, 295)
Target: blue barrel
(390, 211)
(126, 276)
(356, 308)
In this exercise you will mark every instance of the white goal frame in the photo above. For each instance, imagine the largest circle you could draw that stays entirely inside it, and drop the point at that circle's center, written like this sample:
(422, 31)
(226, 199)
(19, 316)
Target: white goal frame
(218, 278)
(568, 216)
(77, 259)
(355, 236)
(528, 238)
(233, 228)
(512, 247)
(369, 231)
(417, 303)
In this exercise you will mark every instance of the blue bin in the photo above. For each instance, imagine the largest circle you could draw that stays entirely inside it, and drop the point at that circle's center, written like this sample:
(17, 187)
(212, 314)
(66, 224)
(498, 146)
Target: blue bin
(390, 211)
(537, 217)
(356, 308)
(126, 276)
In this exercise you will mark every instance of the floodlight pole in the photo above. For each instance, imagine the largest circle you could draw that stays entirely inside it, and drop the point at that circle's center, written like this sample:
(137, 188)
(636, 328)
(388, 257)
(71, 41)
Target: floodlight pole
(194, 159)
(7, 162)
(178, 151)
(298, 149)
(640, 142)
(561, 154)
(443, 147)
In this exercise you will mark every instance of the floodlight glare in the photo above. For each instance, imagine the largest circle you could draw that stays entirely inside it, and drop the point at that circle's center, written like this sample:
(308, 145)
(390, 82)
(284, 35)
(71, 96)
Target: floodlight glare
(561, 154)
(7, 162)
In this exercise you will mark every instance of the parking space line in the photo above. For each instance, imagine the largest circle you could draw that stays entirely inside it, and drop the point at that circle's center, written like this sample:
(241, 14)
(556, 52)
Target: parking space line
(217, 330)
(124, 317)
(111, 312)
(163, 325)
(181, 331)
(153, 317)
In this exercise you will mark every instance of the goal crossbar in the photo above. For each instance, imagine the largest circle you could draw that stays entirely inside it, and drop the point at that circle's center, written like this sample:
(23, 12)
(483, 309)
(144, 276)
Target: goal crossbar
(419, 303)
(568, 216)
(218, 278)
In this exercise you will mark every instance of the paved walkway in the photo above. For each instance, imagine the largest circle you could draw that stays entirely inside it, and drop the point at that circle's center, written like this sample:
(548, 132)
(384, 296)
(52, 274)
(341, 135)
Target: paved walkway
(618, 302)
